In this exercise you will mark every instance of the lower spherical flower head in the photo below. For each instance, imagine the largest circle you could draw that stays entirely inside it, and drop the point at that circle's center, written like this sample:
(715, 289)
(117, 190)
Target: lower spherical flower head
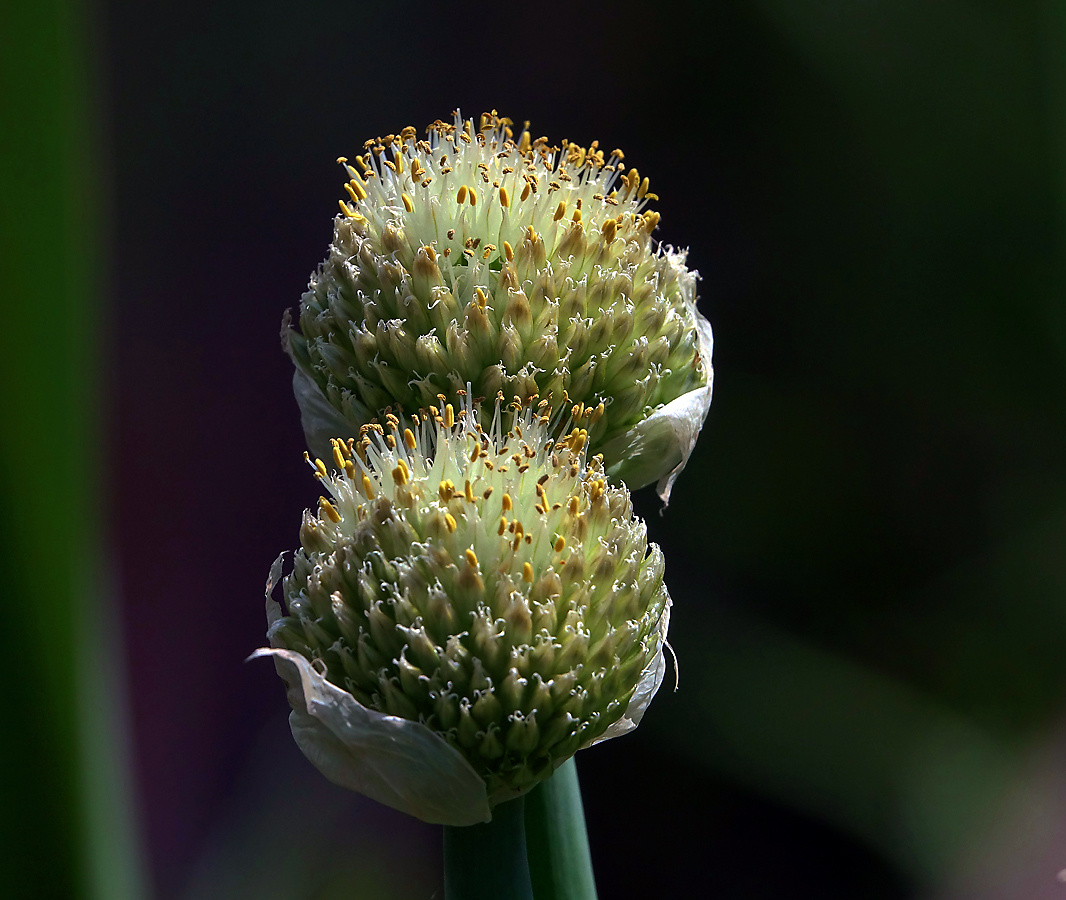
(516, 266)
(467, 610)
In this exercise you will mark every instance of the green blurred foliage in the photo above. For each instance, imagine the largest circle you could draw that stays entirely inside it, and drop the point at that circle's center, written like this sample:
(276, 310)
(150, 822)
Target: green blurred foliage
(65, 830)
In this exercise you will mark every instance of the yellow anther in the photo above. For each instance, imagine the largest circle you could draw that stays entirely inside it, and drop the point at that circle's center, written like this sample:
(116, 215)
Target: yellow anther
(409, 438)
(349, 469)
(560, 211)
(560, 542)
(471, 559)
(407, 204)
(482, 298)
(449, 521)
(338, 457)
(519, 530)
(597, 413)
(399, 474)
(507, 505)
(474, 453)
(643, 189)
(525, 193)
(531, 234)
(524, 142)
(527, 573)
(368, 488)
(502, 526)
(460, 196)
(449, 416)
(473, 197)
(577, 216)
(572, 506)
(321, 466)
(329, 509)
(350, 213)
(505, 199)
(651, 219)
(352, 192)
(469, 492)
(508, 251)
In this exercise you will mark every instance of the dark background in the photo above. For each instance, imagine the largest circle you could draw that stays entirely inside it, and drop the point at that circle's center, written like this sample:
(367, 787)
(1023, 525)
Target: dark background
(867, 552)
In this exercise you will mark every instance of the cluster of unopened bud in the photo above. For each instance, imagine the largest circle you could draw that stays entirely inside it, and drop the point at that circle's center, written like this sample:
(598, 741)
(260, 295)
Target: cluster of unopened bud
(488, 583)
(508, 263)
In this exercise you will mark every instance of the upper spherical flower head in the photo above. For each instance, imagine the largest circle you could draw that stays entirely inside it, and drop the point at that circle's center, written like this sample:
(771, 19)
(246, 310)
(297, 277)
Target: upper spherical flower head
(490, 592)
(517, 266)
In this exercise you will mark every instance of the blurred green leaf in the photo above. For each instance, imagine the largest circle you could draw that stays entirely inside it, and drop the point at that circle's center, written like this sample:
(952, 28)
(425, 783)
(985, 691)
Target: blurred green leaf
(66, 817)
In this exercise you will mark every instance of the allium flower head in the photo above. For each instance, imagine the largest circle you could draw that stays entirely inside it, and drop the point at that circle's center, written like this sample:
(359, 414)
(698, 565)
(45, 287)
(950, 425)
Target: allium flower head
(515, 265)
(468, 608)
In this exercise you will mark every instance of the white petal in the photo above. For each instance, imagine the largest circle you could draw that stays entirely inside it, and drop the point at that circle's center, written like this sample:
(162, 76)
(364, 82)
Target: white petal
(649, 683)
(686, 416)
(400, 763)
(273, 608)
(659, 447)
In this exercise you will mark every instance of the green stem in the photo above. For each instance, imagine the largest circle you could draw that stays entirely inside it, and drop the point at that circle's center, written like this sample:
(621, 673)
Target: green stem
(558, 843)
(489, 862)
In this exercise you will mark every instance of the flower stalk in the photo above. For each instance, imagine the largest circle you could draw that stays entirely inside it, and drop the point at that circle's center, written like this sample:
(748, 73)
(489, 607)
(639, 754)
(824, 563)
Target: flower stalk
(489, 861)
(556, 839)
